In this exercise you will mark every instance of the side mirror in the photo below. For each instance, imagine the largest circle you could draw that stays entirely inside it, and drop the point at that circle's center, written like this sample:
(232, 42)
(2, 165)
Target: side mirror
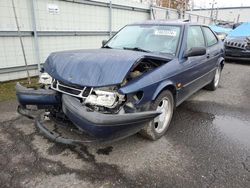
(104, 42)
(195, 51)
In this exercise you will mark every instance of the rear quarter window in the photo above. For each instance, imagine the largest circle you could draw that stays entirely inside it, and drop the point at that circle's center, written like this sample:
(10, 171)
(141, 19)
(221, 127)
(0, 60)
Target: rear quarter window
(211, 38)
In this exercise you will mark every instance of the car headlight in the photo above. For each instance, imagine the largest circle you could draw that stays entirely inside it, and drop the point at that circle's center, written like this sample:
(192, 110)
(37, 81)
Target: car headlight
(45, 79)
(103, 98)
(221, 36)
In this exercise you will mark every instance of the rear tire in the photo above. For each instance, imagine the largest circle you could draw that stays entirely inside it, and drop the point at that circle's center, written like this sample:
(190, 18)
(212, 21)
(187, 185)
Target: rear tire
(156, 128)
(214, 84)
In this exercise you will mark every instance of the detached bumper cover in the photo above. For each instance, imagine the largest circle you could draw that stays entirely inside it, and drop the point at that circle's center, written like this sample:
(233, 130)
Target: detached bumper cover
(30, 96)
(104, 126)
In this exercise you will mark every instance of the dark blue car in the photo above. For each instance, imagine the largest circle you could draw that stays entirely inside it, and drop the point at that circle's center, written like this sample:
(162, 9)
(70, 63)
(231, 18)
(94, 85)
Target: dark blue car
(132, 84)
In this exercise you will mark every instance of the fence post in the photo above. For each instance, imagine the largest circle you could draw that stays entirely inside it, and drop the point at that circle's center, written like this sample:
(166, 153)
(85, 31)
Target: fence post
(152, 13)
(110, 18)
(37, 52)
(167, 14)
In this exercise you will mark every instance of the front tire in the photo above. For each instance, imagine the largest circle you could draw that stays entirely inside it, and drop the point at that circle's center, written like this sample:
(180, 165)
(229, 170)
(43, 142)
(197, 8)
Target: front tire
(214, 84)
(156, 128)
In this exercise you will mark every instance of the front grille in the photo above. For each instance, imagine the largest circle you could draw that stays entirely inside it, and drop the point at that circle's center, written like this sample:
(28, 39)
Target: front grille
(68, 90)
(87, 91)
(73, 91)
(236, 45)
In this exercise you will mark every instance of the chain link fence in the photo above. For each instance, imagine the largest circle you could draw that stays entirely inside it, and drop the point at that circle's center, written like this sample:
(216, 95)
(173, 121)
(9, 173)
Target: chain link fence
(172, 14)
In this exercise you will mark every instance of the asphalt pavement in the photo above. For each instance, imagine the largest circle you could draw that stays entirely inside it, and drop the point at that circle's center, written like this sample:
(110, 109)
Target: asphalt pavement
(207, 145)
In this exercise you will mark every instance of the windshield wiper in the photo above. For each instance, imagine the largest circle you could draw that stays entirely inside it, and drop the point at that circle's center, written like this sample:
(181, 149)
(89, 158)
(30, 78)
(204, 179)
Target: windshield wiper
(136, 49)
(107, 47)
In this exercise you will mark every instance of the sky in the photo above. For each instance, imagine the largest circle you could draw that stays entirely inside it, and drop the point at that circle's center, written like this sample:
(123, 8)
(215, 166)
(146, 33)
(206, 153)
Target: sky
(221, 3)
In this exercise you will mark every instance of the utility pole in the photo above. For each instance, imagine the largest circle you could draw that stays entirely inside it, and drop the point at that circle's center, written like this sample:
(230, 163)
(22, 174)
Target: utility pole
(216, 17)
(184, 7)
(212, 10)
(238, 18)
(192, 5)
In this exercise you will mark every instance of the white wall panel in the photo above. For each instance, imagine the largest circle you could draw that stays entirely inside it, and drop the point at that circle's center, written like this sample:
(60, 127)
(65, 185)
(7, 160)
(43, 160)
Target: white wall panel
(71, 16)
(11, 52)
(123, 17)
(7, 19)
(17, 75)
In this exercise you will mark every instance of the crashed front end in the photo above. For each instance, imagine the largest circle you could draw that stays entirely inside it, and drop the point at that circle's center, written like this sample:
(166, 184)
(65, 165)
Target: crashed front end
(105, 112)
(102, 114)
(237, 48)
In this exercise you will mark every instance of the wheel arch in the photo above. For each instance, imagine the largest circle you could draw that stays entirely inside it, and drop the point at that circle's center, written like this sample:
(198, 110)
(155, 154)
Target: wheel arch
(166, 86)
(221, 62)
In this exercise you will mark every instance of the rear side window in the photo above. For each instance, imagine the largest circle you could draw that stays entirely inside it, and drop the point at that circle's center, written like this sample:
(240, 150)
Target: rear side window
(211, 38)
(195, 37)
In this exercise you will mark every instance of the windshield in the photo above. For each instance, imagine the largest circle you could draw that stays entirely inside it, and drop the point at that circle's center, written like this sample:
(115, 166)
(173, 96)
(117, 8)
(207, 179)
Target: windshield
(148, 38)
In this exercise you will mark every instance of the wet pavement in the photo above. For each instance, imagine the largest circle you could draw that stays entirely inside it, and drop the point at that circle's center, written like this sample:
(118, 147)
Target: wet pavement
(207, 145)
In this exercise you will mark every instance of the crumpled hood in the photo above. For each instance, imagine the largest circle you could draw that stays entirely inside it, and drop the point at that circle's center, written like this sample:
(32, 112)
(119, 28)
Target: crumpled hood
(95, 68)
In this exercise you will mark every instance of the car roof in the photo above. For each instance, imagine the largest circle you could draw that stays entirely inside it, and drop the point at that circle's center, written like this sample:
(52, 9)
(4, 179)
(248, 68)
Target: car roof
(177, 22)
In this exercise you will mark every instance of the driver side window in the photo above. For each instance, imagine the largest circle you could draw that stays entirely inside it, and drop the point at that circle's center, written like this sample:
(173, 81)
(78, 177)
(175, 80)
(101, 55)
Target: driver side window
(195, 37)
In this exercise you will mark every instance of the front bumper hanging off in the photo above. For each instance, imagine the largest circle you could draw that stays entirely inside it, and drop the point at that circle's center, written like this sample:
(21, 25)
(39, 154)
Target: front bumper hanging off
(101, 126)
(30, 96)
(105, 126)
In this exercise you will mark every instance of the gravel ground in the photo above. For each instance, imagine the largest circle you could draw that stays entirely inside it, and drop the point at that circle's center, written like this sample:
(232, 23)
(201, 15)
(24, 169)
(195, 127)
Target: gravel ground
(207, 145)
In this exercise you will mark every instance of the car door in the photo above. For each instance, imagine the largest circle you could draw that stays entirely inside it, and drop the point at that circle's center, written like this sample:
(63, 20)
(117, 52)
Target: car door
(193, 68)
(213, 52)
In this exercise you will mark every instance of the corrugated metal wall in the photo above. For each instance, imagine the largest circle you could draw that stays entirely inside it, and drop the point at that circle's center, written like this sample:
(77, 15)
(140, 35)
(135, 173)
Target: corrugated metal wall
(76, 25)
(62, 25)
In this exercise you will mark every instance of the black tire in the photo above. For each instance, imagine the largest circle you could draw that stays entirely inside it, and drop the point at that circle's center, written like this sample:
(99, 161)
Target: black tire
(214, 84)
(150, 130)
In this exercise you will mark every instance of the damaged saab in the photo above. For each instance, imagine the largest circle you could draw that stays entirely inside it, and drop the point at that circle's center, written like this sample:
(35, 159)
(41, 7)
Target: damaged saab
(132, 84)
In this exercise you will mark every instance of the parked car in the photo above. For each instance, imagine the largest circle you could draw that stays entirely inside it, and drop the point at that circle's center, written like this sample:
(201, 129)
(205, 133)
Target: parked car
(237, 43)
(132, 84)
(221, 31)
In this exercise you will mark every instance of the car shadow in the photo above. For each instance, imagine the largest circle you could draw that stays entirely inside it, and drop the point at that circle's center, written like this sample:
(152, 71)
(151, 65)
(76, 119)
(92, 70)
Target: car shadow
(241, 62)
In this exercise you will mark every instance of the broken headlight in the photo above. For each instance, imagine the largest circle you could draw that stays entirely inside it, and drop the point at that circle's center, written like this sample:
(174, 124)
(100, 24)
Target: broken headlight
(107, 99)
(222, 36)
(45, 79)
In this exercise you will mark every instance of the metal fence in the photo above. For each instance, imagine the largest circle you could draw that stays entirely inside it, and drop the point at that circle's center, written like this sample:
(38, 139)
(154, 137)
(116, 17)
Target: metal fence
(56, 25)
(166, 13)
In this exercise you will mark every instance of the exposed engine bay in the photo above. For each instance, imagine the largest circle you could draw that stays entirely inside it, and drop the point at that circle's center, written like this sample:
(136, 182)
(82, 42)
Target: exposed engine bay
(143, 66)
(108, 100)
